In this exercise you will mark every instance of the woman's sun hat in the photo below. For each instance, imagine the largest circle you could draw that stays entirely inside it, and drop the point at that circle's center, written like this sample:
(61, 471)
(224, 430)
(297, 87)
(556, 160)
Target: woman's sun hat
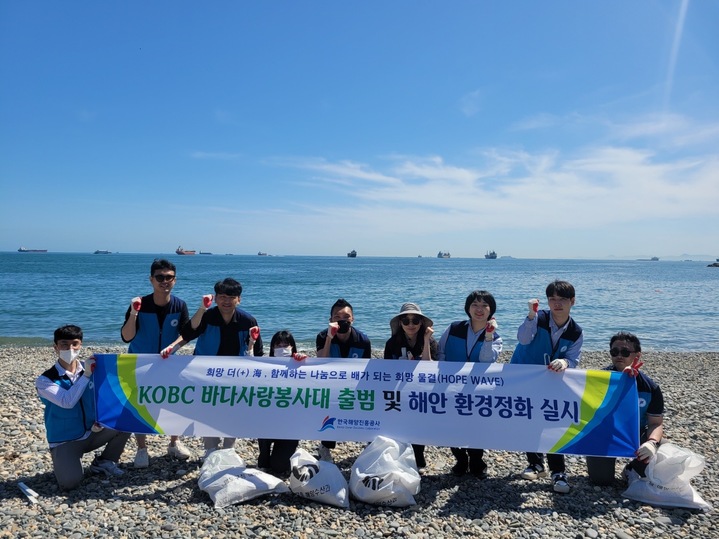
(407, 309)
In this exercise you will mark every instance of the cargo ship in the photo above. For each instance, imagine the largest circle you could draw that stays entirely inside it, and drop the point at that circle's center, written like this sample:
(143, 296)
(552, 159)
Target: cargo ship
(26, 250)
(490, 255)
(181, 251)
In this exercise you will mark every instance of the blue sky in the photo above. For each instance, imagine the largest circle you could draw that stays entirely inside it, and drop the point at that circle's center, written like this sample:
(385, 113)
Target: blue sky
(555, 129)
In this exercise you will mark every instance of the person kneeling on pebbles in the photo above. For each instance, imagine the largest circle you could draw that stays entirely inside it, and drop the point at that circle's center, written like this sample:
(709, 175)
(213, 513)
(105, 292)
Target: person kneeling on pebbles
(66, 391)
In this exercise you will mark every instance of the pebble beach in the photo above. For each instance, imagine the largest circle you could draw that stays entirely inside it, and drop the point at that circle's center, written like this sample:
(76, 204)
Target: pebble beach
(164, 501)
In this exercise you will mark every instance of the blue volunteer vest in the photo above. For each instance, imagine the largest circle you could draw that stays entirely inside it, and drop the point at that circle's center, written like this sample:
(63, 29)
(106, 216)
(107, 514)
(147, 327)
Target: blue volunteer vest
(540, 351)
(67, 424)
(455, 349)
(150, 338)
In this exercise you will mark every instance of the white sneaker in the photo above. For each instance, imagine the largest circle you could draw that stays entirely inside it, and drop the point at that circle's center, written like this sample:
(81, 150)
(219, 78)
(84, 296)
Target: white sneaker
(142, 459)
(107, 467)
(178, 451)
(560, 483)
(534, 472)
(325, 453)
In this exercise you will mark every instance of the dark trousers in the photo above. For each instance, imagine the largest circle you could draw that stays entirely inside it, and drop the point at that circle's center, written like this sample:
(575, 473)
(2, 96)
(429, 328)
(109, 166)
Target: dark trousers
(419, 455)
(66, 457)
(275, 454)
(554, 460)
(329, 445)
(470, 457)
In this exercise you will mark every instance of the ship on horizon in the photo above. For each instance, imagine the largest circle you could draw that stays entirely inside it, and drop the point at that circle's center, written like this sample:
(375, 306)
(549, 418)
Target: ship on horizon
(181, 251)
(101, 252)
(443, 254)
(26, 250)
(352, 254)
(491, 255)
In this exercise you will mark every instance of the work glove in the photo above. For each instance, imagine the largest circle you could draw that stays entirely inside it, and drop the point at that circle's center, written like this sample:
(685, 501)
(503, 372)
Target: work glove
(206, 301)
(646, 451)
(332, 329)
(136, 304)
(297, 356)
(254, 333)
(558, 365)
(167, 352)
(491, 326)
(533, 305)
(89, 366)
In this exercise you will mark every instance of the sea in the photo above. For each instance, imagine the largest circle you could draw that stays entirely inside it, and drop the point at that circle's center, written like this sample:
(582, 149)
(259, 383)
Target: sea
(671, 306)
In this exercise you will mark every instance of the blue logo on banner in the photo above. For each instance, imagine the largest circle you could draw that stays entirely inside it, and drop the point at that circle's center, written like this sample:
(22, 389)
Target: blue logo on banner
(328, 423)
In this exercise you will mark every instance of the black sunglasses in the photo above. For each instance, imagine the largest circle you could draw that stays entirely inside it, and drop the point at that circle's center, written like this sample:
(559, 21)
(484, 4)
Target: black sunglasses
(625, 352)
(407, 320)
(162, 278)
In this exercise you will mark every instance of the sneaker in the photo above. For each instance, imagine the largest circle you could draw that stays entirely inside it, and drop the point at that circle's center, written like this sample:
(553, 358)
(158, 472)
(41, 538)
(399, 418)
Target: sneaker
(534, 472)
(560, 483)
(325, 453)
(107, 467)
(178, 451)
(142, 459)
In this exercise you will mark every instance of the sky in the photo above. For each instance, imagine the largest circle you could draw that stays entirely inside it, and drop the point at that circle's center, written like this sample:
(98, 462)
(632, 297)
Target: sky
(555, 129)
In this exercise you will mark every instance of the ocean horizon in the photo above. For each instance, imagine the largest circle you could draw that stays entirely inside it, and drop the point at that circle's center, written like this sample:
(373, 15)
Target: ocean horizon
(670, 305)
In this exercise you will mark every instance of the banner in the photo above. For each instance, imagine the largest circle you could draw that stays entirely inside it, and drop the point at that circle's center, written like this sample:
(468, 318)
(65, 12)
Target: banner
(482, 405)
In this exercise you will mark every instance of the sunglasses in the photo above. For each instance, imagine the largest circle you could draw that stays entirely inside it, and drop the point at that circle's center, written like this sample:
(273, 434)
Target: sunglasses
(407, 320)
(624, 352)
(164, 278)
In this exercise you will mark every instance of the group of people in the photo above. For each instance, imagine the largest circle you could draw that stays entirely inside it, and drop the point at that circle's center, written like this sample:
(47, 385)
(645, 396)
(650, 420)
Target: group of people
(159, 323)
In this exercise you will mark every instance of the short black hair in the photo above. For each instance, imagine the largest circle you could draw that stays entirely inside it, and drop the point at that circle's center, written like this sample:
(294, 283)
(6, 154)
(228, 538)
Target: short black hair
(341, 303)
(67, 333)
(481, 295)
(279, 338)
(563, 289)
(228, 287)
(161, 264)
(626, 336)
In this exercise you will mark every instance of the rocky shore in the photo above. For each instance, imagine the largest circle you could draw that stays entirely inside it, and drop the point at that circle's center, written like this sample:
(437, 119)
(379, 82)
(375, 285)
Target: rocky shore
(163, 500)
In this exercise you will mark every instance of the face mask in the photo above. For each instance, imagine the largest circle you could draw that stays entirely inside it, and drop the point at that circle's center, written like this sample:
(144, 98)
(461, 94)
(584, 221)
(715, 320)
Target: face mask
(282, 352)
(344, 326)
(68, 356)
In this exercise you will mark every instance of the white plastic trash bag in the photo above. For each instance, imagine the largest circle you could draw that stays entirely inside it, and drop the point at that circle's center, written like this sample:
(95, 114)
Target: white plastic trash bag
(227, 480)
(667, 480)
(385, 473)
(318, 480)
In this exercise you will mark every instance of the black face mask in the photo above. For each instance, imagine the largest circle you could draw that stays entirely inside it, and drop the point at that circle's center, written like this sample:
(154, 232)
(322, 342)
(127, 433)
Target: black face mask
(344, 326)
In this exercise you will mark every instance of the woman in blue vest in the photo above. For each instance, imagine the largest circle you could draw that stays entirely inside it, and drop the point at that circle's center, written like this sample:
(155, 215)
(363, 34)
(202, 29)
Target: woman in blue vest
(474, 340)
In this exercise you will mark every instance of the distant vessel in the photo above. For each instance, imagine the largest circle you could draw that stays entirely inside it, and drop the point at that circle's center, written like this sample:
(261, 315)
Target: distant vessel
(181, 251)
(26, 250)
(491, 255)
(652, 259)
(260, 253)
(352, 254)
(443, 254)
(101, 252)
(205, 253)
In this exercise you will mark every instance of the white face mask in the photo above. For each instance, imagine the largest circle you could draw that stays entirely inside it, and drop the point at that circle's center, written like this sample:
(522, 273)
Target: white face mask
(283, 352)
(68, 356)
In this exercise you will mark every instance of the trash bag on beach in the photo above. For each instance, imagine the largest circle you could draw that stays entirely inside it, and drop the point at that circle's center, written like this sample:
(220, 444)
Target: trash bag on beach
(318, 480)
(385, 473)
(667, 479)
(225, 477)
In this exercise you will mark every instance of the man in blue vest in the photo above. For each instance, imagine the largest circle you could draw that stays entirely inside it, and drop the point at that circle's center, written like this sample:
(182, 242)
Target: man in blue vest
(66, 391)
(340, 339)
(223, 330)
(552, 338)
(152, 326)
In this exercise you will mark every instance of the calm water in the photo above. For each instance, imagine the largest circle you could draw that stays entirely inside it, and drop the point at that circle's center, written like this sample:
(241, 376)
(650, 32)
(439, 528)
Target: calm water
(671, 305)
